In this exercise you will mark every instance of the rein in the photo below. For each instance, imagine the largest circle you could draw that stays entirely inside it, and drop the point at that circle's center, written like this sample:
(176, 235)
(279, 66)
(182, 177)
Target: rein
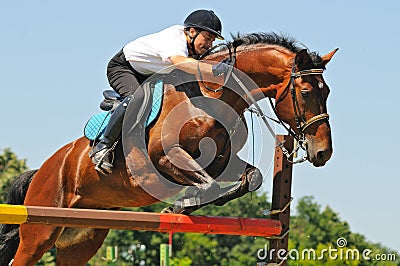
(232, 56)
(301, 123)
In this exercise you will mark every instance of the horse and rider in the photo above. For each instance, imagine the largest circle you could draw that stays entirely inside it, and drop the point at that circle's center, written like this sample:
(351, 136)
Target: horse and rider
(194, 120)
(174, 47)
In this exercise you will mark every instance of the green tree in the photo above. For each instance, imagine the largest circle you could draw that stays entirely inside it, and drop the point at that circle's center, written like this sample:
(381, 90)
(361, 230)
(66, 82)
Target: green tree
(195, 249)
(312, 227)
(48, 259)
(10, 167)
(319, 231)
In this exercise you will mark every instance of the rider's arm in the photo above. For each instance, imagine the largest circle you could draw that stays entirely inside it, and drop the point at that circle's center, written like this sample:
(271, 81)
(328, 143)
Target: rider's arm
(190, 65)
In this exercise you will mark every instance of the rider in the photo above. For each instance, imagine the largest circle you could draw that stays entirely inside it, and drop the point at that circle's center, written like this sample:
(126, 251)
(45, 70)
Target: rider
(174, 47)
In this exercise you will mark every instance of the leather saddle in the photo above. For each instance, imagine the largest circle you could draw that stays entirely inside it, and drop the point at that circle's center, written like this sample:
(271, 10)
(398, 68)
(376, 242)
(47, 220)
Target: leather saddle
(111, 100)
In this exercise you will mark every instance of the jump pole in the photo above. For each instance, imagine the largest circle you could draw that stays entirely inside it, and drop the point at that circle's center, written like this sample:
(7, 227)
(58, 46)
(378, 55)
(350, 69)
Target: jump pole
(160, 222)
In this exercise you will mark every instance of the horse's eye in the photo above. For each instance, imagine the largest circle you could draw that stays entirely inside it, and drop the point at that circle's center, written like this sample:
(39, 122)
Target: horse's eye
(304, 93)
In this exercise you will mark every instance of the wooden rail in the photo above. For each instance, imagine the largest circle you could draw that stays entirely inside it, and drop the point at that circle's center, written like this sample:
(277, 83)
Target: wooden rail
(161, 222)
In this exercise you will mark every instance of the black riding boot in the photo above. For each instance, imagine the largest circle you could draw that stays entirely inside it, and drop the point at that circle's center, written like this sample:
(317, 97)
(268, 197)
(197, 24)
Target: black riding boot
(103, 153)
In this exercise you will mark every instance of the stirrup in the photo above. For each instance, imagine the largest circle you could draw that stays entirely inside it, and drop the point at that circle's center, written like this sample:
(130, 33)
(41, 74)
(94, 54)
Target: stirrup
(103, 166)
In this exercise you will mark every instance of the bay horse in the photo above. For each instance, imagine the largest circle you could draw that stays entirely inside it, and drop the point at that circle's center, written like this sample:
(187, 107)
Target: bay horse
(277, 67)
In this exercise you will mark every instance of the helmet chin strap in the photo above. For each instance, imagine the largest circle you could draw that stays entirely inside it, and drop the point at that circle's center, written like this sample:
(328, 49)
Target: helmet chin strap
(191, 43)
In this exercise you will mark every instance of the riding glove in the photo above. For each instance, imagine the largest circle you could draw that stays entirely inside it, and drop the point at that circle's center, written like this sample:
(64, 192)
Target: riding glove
(222, 67)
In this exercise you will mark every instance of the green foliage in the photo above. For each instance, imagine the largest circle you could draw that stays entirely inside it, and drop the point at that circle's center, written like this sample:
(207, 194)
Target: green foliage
(311, 226)
(195, 249)
(185, 261)
(10, 168)
(322, 238)
(313, 231)
(48, 259)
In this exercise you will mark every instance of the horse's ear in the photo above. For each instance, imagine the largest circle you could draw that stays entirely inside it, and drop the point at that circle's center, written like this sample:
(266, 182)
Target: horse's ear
(303, 59)
(326, 58)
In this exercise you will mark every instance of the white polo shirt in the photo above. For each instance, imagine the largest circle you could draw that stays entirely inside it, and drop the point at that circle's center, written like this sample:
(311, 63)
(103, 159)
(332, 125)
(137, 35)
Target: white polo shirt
(150, 54)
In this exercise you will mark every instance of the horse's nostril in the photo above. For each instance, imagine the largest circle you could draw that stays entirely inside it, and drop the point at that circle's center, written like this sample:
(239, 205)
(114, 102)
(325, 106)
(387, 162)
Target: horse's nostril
(320, 156)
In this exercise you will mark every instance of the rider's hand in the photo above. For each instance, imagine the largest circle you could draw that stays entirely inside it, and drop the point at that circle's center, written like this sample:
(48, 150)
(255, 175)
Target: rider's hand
(222, 67)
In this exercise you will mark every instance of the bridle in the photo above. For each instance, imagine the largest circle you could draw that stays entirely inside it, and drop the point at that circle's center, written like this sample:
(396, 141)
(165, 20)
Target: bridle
(301, 123)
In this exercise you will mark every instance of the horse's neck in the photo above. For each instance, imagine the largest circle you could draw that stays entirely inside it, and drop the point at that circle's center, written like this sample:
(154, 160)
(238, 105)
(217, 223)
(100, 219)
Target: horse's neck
(268, 69)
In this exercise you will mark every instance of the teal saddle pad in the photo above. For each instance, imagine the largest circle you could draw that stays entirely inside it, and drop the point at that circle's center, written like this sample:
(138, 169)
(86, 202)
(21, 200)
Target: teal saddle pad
(95, 127)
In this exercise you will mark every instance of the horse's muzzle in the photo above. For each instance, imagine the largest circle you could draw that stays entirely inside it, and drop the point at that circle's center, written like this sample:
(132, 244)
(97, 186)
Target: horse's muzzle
(322, 157)
(319, 149)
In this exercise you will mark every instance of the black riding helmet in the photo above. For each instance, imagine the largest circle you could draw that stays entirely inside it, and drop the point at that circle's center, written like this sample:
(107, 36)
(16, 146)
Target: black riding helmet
(204, 20)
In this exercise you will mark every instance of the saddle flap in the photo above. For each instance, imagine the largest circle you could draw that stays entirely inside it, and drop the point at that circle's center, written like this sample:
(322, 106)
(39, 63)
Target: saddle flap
(95, 127)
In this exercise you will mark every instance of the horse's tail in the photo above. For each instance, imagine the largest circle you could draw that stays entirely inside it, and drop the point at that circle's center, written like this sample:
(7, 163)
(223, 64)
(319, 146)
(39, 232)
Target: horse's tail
(9, 233)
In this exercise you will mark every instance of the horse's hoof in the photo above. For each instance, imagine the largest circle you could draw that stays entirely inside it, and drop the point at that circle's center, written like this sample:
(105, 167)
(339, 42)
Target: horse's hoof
(168, 210)
(173, 210)
(254, 179)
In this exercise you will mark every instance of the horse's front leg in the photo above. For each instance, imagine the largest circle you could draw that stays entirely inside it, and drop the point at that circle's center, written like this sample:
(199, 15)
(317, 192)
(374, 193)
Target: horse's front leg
(250, 180)
(181, 166)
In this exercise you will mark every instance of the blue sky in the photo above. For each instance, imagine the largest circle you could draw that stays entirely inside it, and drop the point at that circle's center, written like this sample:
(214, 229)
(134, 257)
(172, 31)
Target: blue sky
(53, 60)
